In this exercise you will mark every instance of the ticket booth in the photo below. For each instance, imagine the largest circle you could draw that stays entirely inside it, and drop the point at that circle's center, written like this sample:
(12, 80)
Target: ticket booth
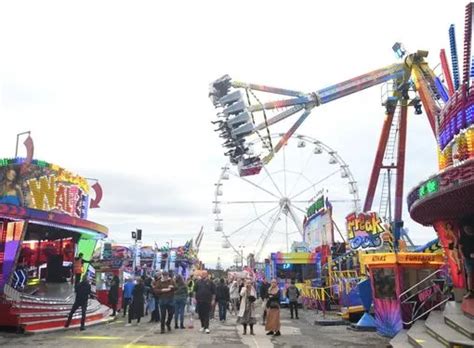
(405, 287)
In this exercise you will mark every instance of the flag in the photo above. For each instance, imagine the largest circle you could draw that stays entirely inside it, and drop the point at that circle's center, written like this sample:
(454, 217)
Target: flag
(30, 149)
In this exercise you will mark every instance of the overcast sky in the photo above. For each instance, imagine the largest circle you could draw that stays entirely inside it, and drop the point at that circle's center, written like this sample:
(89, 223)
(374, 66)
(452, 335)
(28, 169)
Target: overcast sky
(117, 91)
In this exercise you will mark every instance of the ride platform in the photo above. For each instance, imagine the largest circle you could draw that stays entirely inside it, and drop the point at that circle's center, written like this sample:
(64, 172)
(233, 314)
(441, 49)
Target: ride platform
(47, 309)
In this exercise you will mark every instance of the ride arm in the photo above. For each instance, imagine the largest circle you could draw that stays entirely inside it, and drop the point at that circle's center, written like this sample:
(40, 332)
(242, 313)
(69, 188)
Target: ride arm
(359, 83)
(392, 72)
(308, 101)
(424, 79)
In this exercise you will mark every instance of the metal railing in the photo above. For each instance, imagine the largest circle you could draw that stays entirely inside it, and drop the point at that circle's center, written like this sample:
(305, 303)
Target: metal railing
(427, 296)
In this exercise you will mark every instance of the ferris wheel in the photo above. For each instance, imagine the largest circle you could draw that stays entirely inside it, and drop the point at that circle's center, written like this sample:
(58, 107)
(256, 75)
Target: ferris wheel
(265, 212)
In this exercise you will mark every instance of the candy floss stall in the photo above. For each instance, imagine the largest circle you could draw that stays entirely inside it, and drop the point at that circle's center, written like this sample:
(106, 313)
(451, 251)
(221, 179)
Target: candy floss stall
(43, 226)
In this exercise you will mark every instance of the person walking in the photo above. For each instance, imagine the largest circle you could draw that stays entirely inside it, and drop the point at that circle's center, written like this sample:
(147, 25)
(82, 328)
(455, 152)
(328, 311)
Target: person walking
(180, 298)
(127, 294)
(205, 293)
(137, 305)
(165, 288)
(113, 294)
(247, 307)
(222, 299)
(155, 314)
(189, 303)
(212, 313)
(78, 267)
(264, 296)
(292, 293)
(273, 310)
(234, 297)
(83, 292)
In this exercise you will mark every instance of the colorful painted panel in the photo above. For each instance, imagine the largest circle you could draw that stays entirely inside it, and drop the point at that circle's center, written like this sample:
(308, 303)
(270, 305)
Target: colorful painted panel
(388, 319)
(448, 233)
(11, 234)
(43, 186)
(86, 247)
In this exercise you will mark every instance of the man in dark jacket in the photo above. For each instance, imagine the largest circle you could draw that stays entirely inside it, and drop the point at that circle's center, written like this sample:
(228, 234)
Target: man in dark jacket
(292, 293)
(222, 298)
(205, 294)
(264, 296)
(165, 289)
(83, 292)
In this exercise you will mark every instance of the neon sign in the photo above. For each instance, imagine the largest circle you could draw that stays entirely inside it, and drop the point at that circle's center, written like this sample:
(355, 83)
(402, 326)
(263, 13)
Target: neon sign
(316, 207)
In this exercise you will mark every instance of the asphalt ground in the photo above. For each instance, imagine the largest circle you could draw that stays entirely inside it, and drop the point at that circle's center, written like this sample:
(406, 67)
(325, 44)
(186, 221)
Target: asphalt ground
(300, 333)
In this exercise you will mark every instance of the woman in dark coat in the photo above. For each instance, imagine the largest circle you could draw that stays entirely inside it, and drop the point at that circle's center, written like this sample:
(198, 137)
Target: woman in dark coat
(113, 294)
(138, 302)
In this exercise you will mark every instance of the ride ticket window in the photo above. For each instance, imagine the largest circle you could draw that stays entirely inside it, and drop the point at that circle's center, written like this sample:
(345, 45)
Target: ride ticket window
(384, 283)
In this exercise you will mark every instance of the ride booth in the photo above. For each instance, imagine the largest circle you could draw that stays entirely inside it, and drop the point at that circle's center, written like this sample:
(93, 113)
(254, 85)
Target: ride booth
(43, 226)
(300, 266)
(405, 287)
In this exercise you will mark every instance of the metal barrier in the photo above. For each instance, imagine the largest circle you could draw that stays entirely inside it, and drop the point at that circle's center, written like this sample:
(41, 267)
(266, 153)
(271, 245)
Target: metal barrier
(315, 298)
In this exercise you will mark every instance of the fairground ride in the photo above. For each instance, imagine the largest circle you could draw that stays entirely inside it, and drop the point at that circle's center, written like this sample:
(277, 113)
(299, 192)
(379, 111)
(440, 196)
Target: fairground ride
(271, 206)
(243, 116)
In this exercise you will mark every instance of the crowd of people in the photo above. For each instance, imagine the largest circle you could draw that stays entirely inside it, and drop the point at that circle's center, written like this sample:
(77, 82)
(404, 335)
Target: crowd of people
(168, 296)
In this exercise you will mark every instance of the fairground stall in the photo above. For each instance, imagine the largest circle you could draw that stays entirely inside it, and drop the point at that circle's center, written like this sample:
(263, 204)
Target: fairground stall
(43, 226)
(405, 288)
(111, 260)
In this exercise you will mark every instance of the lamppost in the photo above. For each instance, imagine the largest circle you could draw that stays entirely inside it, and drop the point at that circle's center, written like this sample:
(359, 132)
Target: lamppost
(136, 236)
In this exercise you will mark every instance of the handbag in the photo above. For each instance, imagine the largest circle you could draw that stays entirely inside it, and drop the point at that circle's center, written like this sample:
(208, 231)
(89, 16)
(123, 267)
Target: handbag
(252, 299)
(274, 305)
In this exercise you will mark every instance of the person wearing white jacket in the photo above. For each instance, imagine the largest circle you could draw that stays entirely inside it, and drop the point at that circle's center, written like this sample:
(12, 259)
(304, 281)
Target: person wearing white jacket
(234, 297)
(247, 307)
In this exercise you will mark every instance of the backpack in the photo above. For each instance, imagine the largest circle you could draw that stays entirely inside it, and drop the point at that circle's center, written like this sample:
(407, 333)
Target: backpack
(293, 293)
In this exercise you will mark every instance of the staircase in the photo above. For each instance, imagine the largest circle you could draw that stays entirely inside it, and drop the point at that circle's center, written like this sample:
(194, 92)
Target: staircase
(32, 314)
(449, 328)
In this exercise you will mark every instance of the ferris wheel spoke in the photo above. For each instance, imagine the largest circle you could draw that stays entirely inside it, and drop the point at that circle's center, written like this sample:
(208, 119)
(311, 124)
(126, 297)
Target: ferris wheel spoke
(316, 183)
(295, 219)
(254, 184)
(284, 169)
(301, 172)
(267, 228)
(273, 181)
(269, 233)
(248, 202)
(286, 233)
(298, 208)
(252, 221)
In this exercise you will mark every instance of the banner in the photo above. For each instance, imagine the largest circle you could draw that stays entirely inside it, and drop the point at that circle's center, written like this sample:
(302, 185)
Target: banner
(43, 186)
(364, 231)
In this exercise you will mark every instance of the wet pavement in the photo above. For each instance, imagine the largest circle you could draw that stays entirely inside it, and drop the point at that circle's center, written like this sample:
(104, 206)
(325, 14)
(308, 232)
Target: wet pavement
(300, 333)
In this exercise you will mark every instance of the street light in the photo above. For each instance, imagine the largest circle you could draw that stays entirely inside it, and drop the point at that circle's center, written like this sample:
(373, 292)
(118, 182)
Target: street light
(136, 236)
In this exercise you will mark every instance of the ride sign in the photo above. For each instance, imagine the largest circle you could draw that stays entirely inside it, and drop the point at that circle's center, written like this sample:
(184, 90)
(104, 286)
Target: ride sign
(364, 231)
